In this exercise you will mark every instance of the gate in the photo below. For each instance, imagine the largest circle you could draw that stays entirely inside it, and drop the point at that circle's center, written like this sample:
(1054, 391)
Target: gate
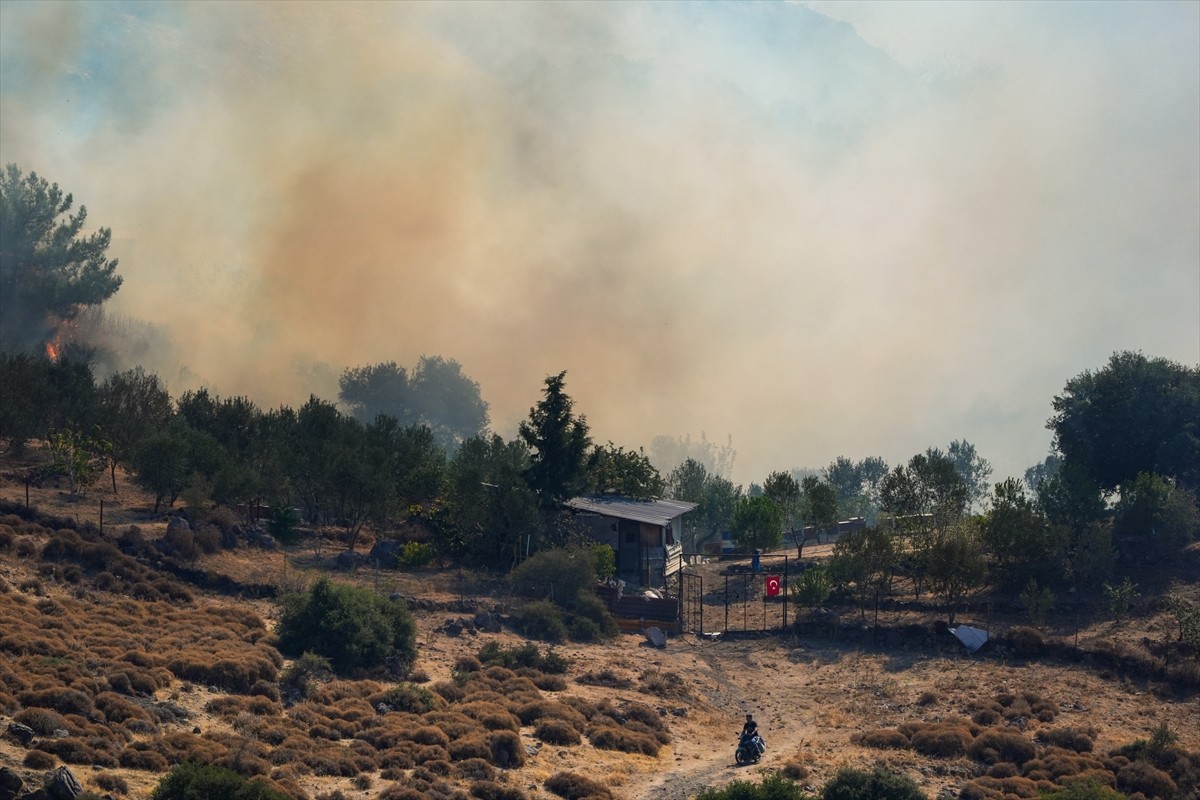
(733, 594)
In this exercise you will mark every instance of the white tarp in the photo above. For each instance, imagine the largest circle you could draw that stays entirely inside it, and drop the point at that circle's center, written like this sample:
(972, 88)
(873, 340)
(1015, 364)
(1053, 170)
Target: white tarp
(973, 638)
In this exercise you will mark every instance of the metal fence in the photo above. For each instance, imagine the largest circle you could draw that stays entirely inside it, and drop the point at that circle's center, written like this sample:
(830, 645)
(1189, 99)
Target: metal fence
(724, 594)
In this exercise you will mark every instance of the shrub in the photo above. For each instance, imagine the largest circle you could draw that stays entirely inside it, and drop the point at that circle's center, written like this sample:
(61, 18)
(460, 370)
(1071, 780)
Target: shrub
(409, 698)
(1083, 789)
(1080, 741)
(1141, 776)
(112, 783)
(608, 737)
(475, 769)
(558, 573)
(882, 739)
(42, 721)
(591, 608)
(942, 742)
(299, 678)
(878, 784)
(190, 781)
(794, 771)
(36, 759)
(556, 731)
(577, 787)
(775, 786)
(490, 790)
(540, 620)
(505, 749)
(354, 628)
(994, 746)
(416, 554)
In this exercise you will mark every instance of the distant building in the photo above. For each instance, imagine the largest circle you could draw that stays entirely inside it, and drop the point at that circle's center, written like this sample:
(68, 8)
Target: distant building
(646, 535)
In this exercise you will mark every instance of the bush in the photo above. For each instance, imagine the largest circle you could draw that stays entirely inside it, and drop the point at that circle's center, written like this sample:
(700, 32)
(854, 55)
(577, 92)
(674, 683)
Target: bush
(505, 749)
(887, 738)
(775, 786)
(591, 608)
(1068, 738)
(416, 554)
(1084, 789)
(540, 620)
(356, 629)
(878, 784)
(992, 747)
(409, 698)
(1140, 776)
(577, 787)
(559, 574)
(191, 782)
(556, 731)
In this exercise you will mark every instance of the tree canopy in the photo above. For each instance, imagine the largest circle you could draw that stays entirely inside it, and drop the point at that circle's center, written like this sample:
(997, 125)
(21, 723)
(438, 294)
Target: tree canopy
(49, 270)
(1134, 415)
(437, 394)
(559, 442)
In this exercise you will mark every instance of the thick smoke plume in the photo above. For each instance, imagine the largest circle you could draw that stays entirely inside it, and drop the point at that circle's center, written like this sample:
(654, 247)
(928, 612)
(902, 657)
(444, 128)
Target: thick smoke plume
(741, 219)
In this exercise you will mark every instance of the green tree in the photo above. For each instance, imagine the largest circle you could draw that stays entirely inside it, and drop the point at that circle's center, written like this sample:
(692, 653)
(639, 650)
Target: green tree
(956, 565)
(689, 482)
(757, 524)
(437, 394)
(355, 628)
(863, 561)
(783, 490)
(77, 457)
(615, 470)
(132, 404)
(49, 271)
(447, 401)
(375, 389)
(1155, 516)
(1021, 543)
(1134, 415)
(493, 512)
(559, 443)
(165, 460)
(821, 502)
(974, 470)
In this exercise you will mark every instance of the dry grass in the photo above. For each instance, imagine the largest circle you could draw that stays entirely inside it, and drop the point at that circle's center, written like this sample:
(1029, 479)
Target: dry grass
(130, 661)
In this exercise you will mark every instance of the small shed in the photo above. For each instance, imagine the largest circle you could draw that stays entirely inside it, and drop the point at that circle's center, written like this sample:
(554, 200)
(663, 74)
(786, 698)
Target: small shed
(646, 535)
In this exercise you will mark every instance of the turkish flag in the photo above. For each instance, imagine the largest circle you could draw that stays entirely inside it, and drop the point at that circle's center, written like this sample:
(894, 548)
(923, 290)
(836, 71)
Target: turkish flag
(774, 585)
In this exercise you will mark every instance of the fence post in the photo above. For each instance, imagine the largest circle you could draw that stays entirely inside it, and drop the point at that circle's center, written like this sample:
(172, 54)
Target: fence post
(726, 604)
(786, 590)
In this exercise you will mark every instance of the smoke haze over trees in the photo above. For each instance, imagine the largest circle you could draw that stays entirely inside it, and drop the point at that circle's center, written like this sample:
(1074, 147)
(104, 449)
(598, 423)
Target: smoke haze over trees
(892, 227)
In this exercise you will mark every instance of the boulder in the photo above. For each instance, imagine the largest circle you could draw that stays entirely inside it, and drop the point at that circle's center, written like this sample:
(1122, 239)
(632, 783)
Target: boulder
(10, 783)
(385, 552)
(348, 559)
(61, 784)
(175, 522)
(22, 733)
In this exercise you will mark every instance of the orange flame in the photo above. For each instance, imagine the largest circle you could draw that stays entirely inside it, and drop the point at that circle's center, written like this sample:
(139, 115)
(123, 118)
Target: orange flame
(52, 351)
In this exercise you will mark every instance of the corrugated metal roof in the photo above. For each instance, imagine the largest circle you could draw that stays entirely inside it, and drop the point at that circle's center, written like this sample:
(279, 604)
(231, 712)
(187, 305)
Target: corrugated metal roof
(654, 512)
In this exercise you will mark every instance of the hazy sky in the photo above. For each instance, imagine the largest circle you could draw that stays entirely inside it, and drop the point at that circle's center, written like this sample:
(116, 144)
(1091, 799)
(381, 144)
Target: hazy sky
(821, 229)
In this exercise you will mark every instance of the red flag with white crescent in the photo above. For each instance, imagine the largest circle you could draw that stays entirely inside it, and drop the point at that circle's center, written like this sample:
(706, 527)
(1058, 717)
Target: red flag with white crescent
(774, 585)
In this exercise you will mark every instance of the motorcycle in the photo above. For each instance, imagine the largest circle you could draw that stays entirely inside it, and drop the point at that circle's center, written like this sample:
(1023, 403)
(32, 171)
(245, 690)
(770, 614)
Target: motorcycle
(749, 749)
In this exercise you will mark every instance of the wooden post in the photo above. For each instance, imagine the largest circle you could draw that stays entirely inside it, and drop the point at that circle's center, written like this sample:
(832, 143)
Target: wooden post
(101, 515)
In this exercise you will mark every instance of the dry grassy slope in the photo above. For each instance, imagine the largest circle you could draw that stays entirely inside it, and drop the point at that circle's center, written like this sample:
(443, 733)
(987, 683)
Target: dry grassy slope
(809, 697)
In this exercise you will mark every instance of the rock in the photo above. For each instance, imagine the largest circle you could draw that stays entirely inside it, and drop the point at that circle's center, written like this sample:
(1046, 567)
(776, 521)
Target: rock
(488, 622)
(385, 552)
(61, 784)
(175, 522)
(60, 733)
(452, 628)
(22, 733)
(10, 783)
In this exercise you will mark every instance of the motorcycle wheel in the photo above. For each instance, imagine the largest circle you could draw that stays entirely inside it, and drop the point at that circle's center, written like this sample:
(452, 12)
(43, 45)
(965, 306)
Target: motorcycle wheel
(741, 756)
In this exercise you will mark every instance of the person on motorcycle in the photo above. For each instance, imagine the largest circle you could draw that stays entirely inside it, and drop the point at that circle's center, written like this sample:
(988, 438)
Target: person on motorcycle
(750, 728)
